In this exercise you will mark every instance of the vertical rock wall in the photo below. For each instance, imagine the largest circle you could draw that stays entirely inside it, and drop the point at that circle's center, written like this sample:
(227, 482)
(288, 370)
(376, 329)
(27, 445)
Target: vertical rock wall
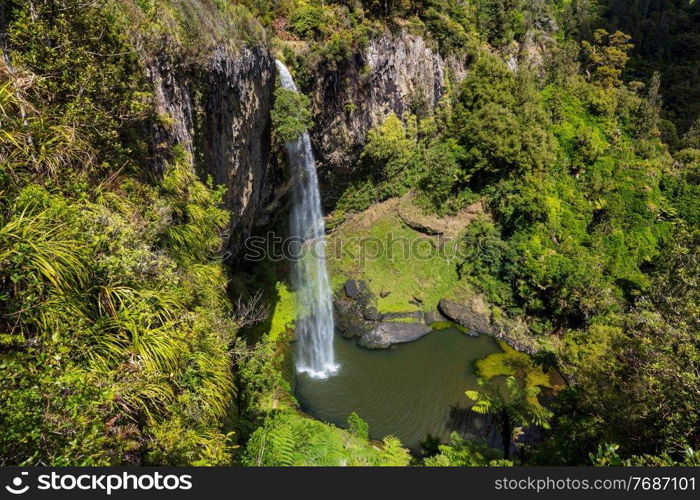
(219, 111)
(395, 73)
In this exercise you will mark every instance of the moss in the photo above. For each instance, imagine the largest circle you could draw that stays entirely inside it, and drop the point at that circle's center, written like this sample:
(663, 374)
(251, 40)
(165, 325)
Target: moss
(407, 319)
(441, 325)
(461, 328)
(374, 249)
(284, 312)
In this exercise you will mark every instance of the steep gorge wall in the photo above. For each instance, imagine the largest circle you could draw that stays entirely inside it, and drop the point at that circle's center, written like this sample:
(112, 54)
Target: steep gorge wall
(395, 73)
(218, 109)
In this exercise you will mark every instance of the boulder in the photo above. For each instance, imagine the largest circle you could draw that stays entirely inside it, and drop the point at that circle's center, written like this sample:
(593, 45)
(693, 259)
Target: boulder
(354, 288)
(387, 333)
(348, 319)
(472, 313)
(371, 314)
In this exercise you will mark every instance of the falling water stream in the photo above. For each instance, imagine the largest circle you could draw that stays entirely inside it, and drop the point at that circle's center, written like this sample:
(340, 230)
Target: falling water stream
(314, 321)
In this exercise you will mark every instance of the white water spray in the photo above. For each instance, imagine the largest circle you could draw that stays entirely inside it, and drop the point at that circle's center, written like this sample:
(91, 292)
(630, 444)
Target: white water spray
(314, 321)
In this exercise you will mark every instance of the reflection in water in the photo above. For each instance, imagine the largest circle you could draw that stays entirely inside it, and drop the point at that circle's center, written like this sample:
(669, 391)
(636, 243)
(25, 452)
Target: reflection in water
(407, 391)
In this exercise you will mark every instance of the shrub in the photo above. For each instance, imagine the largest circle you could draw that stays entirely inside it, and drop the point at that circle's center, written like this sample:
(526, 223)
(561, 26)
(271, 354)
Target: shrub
(441, 174)
(308, 20)
(500, 123)
(358, 427)
(292, 439)
(291, 116)
(389, 155)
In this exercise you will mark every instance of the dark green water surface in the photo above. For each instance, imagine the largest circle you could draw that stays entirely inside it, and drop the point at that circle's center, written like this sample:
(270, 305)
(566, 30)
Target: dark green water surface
(406, 391)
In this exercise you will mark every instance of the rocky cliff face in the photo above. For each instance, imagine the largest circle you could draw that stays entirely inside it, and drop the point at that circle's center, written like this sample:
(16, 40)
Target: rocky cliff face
(395, 73)
(218, 109)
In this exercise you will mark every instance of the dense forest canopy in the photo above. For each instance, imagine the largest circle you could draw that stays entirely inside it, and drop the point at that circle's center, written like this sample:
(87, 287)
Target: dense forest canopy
(666, 37)
(125, 338)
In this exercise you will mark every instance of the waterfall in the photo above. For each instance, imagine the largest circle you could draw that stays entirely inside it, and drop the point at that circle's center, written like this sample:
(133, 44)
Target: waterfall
(314, 318)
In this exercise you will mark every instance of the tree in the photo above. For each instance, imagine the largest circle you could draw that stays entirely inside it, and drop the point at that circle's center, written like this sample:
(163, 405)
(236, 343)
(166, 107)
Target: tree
(606, 57)
(500, 123)
(386, 8)
(390, 153)
(667, 39)
(308, 20)
(511, 408)
(499, 20)
(637, 374)
(441, 172)
(691, 139)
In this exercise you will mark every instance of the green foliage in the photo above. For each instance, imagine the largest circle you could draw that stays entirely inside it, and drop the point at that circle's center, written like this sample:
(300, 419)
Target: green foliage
(263, 388)
(291, 116)
(386, 8)
(155, 343)
(452, 24)
(31, 143)
(357, 427)
(388, 164)
(665, 35)
(557, 240)
(115, 323)
(284, 313)
(399, 156)
(607, 56)
(682, 186)
(500, 123)
(55, 412)
(651, 352)
(96, 83)
(485, 256)
(691, 139)
(464, 453)
(358, 196)
(177, 442)
(309, 20)
(675, 291)
(197, 218)
(607, 456)
(511, 408)
(388, 154)
(500, 21)
(291, 439)
(513, 363)
(440, 175)
(331, 32)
